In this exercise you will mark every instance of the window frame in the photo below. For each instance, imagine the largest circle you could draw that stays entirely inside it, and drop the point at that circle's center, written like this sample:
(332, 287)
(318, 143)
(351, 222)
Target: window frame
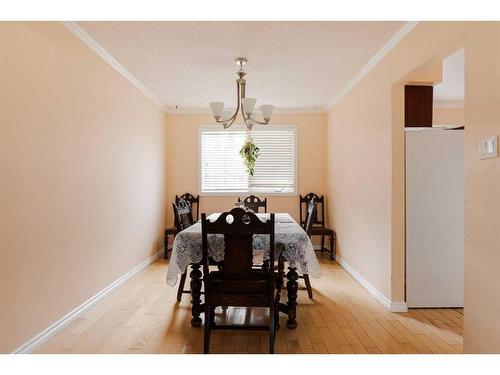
(293, 193)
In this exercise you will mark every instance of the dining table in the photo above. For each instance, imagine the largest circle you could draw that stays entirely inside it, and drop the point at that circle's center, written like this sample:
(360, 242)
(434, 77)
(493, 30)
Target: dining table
(298, 252)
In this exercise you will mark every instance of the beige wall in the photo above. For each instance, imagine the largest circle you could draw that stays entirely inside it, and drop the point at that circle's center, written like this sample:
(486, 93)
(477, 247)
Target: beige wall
(182, 164)
(482, 191)
(448, 116)
(82, 169)
(359, 180)
(366, 169)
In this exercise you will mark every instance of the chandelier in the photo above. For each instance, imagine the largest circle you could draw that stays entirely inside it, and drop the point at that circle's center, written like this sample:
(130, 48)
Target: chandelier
(246, 105)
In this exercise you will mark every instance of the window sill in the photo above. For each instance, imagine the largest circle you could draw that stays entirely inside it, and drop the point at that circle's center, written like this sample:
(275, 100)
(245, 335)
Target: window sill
(240, 194)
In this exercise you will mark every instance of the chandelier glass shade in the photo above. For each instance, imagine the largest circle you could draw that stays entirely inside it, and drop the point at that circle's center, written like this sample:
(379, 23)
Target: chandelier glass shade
(246, 105)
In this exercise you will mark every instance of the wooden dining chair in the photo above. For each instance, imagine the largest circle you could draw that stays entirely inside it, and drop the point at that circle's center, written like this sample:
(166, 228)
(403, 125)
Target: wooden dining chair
(254, 203)
(308, 228)
(319, 227)
(184, 219)
(174, 230)
(193, 201)
(238, 283)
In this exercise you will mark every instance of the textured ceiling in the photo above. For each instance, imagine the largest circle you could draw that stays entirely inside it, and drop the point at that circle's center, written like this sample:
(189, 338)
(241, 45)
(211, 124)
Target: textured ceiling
(290, 64)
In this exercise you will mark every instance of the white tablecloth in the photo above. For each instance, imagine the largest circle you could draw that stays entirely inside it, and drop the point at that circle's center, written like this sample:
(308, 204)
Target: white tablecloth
(299, 251)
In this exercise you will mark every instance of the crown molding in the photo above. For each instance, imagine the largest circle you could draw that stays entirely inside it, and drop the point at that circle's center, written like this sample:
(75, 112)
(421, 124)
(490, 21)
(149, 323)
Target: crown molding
(206, 111)
(393, 42)
(106, 56)
(448, 104)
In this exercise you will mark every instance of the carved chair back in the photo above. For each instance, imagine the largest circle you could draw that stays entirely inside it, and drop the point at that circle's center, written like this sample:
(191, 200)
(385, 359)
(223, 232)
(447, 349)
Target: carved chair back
(193, 201)
(183, 214)
(319, 216)
(254, 203)
(238, 227)
(310, 215)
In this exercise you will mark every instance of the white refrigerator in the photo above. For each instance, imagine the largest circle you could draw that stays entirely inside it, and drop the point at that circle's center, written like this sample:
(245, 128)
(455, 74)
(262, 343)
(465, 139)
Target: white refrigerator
(434, 217)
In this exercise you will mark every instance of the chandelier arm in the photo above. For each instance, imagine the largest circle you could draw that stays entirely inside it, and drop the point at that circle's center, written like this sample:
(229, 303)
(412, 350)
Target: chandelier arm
(233, 117)
(261, 123)
(243, 87)
(243, 115)
(229, 121)
(238, 92)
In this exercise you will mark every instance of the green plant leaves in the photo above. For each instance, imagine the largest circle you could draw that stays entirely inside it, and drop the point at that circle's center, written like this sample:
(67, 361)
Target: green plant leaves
(250, 152)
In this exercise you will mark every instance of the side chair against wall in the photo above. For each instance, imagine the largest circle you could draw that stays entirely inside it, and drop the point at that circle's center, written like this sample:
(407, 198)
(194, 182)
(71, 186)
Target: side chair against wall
(192, 201)
(184, 219)
(319, 228)
(238, 283)
(173, 230)
(308, 228)
(254, 203)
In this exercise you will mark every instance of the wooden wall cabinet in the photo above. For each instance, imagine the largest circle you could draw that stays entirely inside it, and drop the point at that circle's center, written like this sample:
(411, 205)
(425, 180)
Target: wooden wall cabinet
(418, 106)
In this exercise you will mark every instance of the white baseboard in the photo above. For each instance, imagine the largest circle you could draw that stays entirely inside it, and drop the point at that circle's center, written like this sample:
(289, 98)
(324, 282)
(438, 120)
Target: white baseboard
(399, 307)
(388, 304)
(56, 327)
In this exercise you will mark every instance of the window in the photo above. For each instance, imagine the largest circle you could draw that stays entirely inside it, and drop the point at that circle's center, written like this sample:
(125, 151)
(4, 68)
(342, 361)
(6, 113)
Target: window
(222, 169)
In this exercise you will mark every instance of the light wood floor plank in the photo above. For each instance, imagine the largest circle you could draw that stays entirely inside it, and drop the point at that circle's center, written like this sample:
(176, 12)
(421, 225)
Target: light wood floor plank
(143, 316)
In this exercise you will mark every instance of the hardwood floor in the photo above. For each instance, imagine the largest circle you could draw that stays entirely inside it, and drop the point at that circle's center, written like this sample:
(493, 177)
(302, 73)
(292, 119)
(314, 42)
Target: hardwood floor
(143, 316)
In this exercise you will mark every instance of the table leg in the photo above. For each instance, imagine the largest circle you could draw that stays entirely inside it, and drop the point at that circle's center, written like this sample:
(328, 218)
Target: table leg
(195, 294)
(265, 266)
(292, 286)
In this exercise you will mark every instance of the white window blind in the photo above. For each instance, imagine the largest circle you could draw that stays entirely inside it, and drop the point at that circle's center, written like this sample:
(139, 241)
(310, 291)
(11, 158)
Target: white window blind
(275, 166)
(222, 169)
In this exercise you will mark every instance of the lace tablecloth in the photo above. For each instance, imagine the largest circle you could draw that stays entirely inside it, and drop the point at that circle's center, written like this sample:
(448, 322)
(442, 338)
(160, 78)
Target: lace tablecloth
(299, 251)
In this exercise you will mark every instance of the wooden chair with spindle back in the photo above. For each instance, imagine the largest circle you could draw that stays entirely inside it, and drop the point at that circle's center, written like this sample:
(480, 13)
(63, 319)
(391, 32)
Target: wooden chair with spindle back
(174, 230)
(238, 283)
(254, 203)
(308, 226)
(319, 227)
(184, 219)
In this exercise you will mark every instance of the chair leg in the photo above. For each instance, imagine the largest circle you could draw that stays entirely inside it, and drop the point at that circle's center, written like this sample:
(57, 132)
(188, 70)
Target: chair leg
(165, 245)
(332, 245)
(181, 286)
(212, 316)
(206, 335)
(308, 286)
(276, 318)
(272, 330)
(322, 244)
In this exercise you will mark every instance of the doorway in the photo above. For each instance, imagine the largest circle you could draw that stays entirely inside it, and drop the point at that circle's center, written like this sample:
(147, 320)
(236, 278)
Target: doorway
(434, 196)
